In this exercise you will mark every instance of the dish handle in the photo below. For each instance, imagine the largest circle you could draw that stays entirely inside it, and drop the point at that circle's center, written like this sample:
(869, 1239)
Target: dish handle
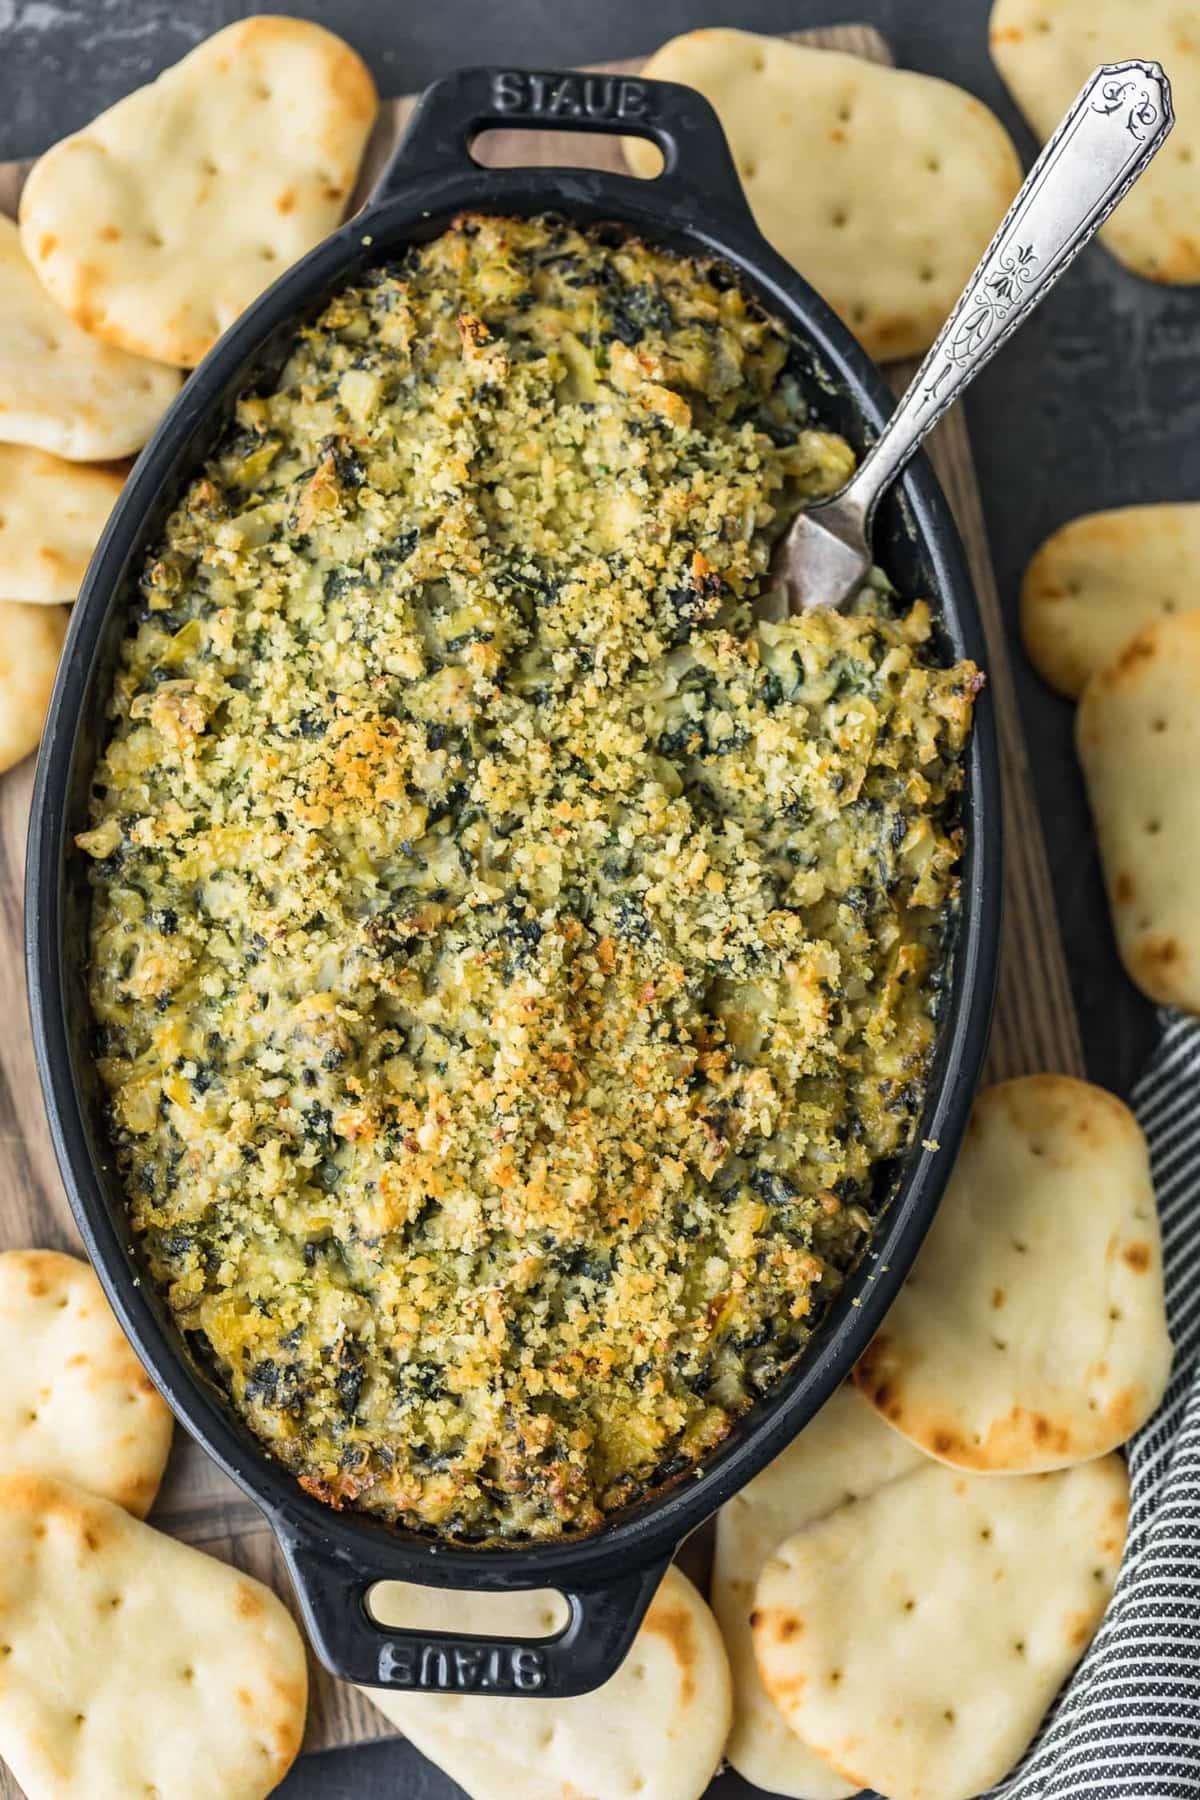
(333, 1593)
(698, 169)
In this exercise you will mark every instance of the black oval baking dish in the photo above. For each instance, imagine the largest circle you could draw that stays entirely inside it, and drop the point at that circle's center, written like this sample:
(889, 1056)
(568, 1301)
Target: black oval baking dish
(696, 206)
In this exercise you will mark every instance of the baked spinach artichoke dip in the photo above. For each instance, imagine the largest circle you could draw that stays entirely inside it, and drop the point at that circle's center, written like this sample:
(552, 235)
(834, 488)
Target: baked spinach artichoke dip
(514, 961)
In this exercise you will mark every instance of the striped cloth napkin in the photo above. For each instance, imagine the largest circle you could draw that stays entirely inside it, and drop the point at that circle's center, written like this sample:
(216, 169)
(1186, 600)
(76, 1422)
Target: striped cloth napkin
(1128, 1726)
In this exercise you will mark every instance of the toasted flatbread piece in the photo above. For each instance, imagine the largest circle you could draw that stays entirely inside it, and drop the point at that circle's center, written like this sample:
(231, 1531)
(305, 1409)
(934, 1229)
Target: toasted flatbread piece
(656, 1728)
(31, 638)
(159, 223)
(1046, 49)
(845, 1453)
(918, 1636)
(880, 186)
(74, 1400)
(1094, 585)
(133, 1665)
(51, 514)
(61, 390)
(1138, 736)
(1031, 1332)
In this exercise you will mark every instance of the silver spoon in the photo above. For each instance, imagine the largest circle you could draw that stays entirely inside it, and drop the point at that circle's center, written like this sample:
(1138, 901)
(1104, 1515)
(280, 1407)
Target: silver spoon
(1117, 123)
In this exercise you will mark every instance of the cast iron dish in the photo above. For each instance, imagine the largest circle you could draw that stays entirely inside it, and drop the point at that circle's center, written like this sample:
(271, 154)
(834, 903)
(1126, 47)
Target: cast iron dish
(695, 206)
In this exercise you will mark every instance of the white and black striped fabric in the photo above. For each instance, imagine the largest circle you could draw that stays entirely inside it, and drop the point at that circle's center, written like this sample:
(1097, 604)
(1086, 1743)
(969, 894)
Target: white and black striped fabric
(1128, 1726)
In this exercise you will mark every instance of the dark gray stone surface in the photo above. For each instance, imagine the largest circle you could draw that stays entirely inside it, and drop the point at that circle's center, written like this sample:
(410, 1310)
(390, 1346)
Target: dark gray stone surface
(1098, 405)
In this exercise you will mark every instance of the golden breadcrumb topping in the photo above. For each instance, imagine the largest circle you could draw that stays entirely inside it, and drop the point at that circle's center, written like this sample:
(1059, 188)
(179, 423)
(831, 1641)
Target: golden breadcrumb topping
(514, 964)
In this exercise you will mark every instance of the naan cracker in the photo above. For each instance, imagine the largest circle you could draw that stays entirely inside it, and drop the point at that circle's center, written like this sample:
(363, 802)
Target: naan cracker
(845, 1453)
(1095, 583)
(1031, 1332)
(1046, 49)
(31, 638)
(61, 390)
(133, 1667)
(918, 1636)
(51, 515)
(75, 1402)
(656, 1728)
(161, 221)
(882, 187)
(1138, 736)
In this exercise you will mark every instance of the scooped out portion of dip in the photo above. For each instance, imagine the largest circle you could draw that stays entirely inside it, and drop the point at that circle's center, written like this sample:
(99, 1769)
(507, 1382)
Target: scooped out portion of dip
(513, 964)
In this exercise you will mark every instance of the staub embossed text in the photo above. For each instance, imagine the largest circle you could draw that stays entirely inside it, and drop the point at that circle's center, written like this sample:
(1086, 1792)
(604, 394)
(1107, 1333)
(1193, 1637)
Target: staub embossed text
(555, 96)
(479, 1668)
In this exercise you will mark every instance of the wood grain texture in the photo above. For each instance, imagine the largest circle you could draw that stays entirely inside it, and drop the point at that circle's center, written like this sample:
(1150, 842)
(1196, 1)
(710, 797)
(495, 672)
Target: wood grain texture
(1035, 1025)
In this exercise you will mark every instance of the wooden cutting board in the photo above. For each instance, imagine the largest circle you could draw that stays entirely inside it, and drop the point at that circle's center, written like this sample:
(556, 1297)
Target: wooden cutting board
(1035, 1025)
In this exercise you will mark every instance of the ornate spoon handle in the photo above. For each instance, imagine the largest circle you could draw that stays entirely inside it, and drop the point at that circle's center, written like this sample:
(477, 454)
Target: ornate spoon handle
(1119, 120)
